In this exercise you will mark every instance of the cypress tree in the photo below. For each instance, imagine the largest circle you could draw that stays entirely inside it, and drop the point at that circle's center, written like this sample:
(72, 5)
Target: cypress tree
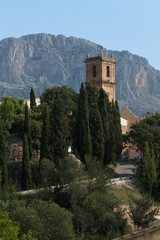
(84, 146)
(103, 106)
(3, 160)
(26, 168)
(97, 134)
(95, 123)
(45, 135)
(27, 130)
(59, 131)
(149, 167)
(112, 134)
(118, 130)
(92, 93)
(32, 99)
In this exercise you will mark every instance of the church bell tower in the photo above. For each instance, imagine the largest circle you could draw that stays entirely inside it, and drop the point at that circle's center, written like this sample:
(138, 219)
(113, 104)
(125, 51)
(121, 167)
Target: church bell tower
(100, 72)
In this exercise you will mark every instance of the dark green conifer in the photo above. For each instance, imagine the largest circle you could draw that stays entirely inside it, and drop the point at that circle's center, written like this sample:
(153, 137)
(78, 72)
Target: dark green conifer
(103, 106)
(84, 145)
(97, 134)
(32, 99)
(92, 93)
(59, 131)
(95, 123)
(112, 134)
(118, 130)
(27, 130)
(45, 135)
(3, 160)
(26, 168)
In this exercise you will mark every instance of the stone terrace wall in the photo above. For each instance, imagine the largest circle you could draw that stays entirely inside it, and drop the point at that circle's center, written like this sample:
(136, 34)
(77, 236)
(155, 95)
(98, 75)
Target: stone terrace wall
(15, 152)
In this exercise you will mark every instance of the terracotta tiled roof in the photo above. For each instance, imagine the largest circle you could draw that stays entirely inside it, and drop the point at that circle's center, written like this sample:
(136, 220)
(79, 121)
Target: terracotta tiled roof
(128, 115)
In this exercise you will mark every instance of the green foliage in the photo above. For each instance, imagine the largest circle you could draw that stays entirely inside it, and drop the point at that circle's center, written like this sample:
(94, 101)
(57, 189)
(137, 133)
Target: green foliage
(3, 160)
(66, 94)
(149, 167)
(148, 130)
(9, 229)
(142, 211)
(10, 107)
(95, 123)
(17, 125)
(26, 168)
(32, 99)
(36, 127)
(103, 102)
(70, 170)
(47, 172)
(45, 219)
(27, 130)
(59, 131)
(118, 130)
(84, 145)
(97, 134)
(93, 207)
(45, 136)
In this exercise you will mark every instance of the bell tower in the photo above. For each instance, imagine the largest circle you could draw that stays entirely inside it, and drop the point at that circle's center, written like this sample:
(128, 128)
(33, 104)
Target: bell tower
(100, 71)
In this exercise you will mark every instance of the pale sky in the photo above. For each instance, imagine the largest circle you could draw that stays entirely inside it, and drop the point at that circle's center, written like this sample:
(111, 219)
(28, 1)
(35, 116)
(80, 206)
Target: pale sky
(132, 25)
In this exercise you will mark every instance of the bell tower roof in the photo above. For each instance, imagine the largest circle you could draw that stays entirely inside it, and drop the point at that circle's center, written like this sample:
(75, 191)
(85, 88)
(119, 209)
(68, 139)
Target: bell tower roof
(101, 58)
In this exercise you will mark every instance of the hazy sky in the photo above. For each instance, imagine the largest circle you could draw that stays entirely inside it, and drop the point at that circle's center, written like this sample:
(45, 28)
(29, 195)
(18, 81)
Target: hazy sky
(132, 25)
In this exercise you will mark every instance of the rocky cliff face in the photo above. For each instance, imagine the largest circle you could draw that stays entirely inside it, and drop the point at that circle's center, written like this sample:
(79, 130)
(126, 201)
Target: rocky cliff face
(43, 60)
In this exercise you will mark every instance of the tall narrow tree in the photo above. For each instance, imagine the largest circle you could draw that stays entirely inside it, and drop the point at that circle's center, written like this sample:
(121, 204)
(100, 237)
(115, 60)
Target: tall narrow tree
(149, 168)
(26, 179)
(3, 160)
(59, 131)
(84, 145)
(103, 102)
(112, 134)
(32, 99)
(95, 123)
(118, 130)
(27, 130)
(45, 135)
(97, 134)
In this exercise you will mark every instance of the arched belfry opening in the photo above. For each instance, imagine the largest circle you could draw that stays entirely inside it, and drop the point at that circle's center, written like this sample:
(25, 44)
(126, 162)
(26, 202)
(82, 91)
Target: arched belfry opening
(100, 72)
(94, 72)
(108, 71)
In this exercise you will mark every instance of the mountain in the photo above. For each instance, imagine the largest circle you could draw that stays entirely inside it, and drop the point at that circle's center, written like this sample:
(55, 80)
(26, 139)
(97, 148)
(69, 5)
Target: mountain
(43, 60)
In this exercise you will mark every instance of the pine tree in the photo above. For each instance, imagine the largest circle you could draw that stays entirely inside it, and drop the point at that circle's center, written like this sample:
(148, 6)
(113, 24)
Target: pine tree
(32, 99)
(59, 131)
(103, 108)
(27, 130)
(26, 168)
(45, 135)
(84, 145)
(3, 160)
(149, 168)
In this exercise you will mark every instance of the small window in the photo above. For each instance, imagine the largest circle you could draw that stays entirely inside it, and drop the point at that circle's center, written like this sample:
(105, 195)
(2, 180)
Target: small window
(108, 71)
(94, 71)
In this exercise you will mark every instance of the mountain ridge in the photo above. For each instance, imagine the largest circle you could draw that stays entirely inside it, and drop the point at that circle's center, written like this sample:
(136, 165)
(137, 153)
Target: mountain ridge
(44, 60)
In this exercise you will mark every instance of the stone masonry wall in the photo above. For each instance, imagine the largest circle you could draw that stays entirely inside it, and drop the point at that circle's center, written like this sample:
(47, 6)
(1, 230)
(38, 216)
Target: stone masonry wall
(15, 152)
